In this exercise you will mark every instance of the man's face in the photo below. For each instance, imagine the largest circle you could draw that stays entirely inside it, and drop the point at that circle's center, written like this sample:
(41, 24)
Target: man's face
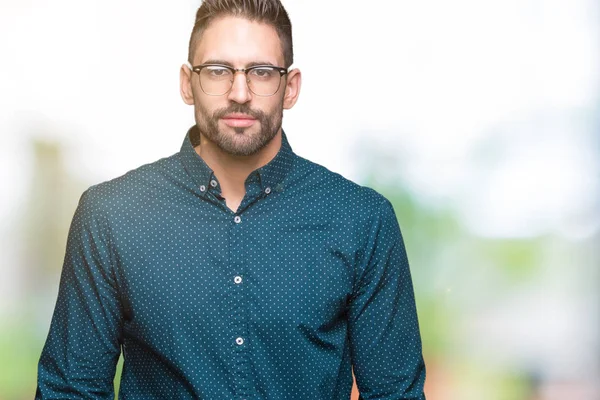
(238, 42)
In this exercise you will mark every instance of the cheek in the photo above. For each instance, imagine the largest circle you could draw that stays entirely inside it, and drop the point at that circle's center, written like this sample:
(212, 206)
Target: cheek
(273, 106)
(204, 103)
(201, 110)
(206, 107)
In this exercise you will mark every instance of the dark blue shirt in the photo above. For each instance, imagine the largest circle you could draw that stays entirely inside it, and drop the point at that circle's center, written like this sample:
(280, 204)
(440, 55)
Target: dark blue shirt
(278, 301)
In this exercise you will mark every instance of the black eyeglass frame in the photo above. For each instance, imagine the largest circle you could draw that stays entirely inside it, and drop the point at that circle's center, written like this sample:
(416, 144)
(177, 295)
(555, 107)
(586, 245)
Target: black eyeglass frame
(282, 72)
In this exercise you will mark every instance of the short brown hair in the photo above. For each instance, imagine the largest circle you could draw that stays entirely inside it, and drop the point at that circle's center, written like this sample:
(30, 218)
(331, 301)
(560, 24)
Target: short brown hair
(269, 12)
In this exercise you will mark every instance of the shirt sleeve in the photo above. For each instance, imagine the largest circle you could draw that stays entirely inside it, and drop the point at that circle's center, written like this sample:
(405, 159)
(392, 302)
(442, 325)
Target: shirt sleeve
(79, 358)
(384, 333)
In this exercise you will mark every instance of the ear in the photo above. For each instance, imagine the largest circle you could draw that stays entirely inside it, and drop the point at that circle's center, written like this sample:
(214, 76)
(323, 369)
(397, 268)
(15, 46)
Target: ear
(292, 88)
(185, 84)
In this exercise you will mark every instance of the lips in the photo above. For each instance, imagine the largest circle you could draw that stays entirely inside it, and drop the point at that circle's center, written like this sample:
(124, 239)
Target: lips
(238, 116)
(238, 120)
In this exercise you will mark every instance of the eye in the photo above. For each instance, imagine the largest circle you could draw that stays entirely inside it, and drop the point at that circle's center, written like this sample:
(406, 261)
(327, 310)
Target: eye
(263, 72)
(217, 72)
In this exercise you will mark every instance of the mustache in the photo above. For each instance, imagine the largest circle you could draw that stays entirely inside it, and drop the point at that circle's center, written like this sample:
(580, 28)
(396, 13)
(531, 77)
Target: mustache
(238, 108)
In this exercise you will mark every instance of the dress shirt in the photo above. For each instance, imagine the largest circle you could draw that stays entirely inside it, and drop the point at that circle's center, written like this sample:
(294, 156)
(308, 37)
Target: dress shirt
(278, 300)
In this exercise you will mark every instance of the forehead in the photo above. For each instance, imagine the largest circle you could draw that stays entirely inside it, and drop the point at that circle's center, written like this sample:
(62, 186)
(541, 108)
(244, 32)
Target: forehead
(240, 42)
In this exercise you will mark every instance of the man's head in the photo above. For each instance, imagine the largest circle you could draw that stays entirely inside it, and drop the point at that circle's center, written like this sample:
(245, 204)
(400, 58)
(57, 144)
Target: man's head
(240, 34)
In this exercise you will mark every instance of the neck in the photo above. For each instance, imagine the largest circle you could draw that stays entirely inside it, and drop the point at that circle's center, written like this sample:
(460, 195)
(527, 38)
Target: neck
(232, 170)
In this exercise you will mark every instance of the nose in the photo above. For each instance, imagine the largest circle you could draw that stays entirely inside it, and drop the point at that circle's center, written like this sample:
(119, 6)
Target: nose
(240, 92)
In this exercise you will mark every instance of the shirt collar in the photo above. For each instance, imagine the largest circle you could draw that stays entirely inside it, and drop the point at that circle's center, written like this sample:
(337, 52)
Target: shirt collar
(270, 175)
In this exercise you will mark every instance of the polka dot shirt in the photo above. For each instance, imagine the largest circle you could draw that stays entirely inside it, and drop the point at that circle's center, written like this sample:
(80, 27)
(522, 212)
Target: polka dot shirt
(279, 300)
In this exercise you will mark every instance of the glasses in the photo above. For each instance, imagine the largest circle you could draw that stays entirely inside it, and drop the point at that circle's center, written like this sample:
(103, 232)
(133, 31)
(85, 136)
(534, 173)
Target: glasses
(217, 79)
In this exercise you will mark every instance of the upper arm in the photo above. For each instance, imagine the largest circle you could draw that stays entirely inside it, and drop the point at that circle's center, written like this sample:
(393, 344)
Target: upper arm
(83, 345)
(383, 326)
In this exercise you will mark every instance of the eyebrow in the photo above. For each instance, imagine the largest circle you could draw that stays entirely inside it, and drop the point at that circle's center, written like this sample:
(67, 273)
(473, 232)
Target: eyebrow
(250, 64)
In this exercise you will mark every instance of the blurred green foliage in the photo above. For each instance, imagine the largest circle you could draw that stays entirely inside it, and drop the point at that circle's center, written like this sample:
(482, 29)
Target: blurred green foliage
(20, 349)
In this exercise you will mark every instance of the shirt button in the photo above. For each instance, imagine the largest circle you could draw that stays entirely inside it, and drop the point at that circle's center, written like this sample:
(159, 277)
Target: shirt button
(237, 219)
(202, 188)
(237, 279)
(239, 341)
(213, 183)
(268, 190)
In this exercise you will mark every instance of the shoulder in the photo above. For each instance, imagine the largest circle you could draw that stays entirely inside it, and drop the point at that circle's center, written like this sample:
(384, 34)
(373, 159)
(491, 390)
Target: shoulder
(131, 188)
(336, 192)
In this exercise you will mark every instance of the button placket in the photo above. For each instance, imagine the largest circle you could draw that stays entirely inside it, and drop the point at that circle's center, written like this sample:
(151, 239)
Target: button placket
(239, 338)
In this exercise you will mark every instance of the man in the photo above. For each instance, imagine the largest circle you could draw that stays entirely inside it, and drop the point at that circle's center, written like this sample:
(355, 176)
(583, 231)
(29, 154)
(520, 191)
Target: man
(234, 269)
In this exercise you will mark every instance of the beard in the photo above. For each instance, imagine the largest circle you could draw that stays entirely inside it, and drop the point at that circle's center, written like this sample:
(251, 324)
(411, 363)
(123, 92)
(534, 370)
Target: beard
(241, 143)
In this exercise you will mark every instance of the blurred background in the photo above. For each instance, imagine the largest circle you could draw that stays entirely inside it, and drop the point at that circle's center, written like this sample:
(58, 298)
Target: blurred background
(478, 119)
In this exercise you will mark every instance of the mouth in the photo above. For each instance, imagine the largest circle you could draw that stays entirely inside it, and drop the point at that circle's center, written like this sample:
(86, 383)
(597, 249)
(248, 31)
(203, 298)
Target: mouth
(238, 120)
